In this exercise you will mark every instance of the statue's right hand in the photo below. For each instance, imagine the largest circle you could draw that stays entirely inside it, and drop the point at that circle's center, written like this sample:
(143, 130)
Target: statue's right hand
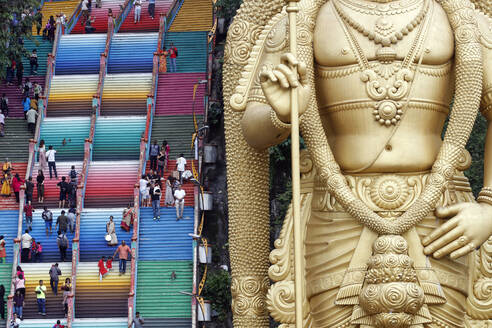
(278, 82)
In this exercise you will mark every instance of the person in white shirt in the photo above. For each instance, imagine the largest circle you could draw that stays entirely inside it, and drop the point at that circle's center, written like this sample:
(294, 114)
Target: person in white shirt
(2, 124)
(50, 155)
(138, 10)
(181, 167)
(144, 191)
(179, 195)
(26, 241)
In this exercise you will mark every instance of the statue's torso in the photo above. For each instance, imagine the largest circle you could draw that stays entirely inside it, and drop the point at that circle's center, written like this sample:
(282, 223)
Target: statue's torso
(347, 109)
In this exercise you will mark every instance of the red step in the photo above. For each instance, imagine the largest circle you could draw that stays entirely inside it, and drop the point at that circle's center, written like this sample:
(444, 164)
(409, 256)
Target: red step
(146, 23)
(100, 15)
(175, 94)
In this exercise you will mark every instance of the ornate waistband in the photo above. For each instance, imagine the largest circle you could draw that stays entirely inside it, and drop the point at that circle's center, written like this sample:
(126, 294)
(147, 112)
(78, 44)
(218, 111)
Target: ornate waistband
(364, 105)
(389, 194)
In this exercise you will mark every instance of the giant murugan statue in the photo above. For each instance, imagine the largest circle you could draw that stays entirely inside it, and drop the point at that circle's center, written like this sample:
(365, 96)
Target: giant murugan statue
(393, 236)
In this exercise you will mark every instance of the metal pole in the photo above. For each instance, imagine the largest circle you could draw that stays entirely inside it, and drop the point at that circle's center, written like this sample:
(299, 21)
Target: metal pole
(292, 9)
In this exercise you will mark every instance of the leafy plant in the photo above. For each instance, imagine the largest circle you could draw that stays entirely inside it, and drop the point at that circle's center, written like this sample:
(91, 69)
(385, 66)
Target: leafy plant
(218, 290)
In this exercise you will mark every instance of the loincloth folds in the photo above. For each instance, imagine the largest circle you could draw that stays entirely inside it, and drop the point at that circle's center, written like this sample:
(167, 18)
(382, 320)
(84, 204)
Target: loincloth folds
(340, 252)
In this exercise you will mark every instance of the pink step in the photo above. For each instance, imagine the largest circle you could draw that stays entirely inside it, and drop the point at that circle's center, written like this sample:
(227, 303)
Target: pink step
(175, 94)
(14, 94)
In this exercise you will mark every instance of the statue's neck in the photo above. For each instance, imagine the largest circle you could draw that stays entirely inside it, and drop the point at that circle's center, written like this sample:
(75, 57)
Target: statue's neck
(381, 1)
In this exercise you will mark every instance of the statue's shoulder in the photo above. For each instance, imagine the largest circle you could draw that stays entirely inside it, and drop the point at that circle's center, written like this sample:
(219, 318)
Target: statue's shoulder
(485, 28)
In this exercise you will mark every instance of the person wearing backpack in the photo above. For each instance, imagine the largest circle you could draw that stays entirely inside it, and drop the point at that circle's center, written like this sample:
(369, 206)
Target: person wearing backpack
(73, 175)
(63, 185)
(173, 54)
(155, 194)
(4, 105)
(48, 220)
(153, 153)
(62, 242)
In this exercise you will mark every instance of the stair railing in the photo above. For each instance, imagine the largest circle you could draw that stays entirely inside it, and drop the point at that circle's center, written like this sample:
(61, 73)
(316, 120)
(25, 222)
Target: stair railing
(171, 15)
(127, 7)
(30, 165)
(73, 18)
(144, 146)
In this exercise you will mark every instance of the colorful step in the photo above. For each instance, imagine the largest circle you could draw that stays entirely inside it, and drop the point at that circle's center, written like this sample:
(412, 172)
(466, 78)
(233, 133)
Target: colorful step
(15, 144)
(126, 94)
(110, 184)
(92, 232)
(8, 228)
(50, 252)
(104, 298)
(123, 57)
(146, 23)
(100, 16)
(14, 94)
(175, 94)
(5, 280)
(159, 291)
(40, 271)
(71, 95)
(118, 138)
(51, 190)
(9, 203)
(43, 48)
(67, 135)
(178, 131)
(101, 323)
(79, 54)
(54, 8)
(192, 50)
(167, 239)
(193, 15)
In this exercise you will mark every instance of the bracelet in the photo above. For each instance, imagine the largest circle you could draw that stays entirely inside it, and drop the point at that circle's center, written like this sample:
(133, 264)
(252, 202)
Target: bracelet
(485, 195)
(277, 122)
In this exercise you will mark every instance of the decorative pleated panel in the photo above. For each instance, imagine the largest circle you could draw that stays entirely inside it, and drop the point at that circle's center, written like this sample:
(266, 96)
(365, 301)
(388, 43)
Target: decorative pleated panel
(167, 239)
(72, 94)
(15, 96)
(132, 52)
(101, 299)
(175, 94)
(192, 50)
(93, 230)
(194, 15)
(54, 8)
(50, 253)
(159, 296)
(40, 271)
(67, 135)
(101, 16)
(8, 224)
(43, 48)
(126, 94)
(118, 138)
(110, 184)
(80, 54)
(51, 190)
(178, 131)
(15, 144)
(8, 203)
(146, 23)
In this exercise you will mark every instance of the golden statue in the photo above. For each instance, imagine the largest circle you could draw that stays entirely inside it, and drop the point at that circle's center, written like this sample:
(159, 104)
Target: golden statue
(393, 236)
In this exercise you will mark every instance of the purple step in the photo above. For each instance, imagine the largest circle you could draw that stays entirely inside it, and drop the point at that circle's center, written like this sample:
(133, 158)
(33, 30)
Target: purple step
(14, 93)
(175, 94)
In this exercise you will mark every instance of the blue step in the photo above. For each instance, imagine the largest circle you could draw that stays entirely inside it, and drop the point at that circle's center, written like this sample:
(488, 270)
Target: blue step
(166, 239)
(80, 54)
(132, 52)
(8, 228)
(93, 230)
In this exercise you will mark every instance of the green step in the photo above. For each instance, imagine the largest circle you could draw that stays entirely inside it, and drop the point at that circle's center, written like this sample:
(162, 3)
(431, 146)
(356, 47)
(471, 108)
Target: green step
(178, 131)
(43, 48)
(15, 144)
(6, 279)
(158, 296)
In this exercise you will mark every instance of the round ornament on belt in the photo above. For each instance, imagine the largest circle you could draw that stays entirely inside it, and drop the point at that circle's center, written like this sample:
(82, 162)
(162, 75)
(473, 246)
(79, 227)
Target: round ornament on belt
(388, 112)
(389, 192)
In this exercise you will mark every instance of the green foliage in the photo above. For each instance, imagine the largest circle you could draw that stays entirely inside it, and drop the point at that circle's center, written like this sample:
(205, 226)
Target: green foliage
(218, 290)
(227, 8)
(11, 34)
(476, 147)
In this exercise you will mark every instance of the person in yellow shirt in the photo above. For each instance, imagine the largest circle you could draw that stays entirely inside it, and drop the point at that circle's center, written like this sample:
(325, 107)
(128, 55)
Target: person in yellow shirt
(41, 298)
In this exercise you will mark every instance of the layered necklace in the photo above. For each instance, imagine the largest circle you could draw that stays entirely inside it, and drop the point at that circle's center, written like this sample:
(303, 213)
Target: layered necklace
(388, 95)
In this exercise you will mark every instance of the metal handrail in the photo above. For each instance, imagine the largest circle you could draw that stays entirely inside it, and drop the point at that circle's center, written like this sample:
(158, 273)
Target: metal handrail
(171, 15)
(127, 7)
(73, 18)
(30, 164)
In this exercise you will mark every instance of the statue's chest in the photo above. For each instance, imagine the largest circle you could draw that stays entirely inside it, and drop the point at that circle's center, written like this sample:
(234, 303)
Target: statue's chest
(346, 34)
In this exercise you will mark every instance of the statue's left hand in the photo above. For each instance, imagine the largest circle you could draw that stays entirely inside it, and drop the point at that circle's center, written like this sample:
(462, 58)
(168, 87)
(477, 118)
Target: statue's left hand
(469, 225)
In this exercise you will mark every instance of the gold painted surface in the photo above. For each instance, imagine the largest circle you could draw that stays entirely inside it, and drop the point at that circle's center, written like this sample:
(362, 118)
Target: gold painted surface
(375, 82)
